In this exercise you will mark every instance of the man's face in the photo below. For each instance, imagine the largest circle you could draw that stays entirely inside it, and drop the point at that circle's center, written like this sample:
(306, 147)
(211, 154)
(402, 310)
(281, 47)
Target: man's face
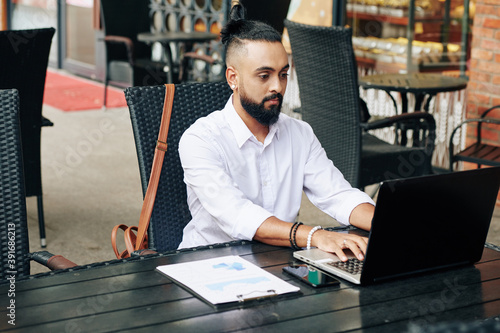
(262, 81)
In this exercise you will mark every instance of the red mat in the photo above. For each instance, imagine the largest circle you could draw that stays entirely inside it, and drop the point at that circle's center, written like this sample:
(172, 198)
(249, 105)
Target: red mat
(69, 93)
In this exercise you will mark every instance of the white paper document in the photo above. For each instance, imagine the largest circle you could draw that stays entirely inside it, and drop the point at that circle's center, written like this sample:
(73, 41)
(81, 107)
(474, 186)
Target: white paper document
(226, 279)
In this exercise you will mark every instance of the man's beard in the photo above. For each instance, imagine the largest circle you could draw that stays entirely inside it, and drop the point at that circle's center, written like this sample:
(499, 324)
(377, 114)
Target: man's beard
(259, 112)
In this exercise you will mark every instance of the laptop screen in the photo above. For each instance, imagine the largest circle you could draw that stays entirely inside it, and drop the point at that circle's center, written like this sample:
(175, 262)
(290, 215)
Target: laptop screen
(430, 222)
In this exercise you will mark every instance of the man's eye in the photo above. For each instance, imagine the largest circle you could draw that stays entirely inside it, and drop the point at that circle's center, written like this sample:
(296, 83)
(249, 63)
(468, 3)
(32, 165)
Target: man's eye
(264, 76)
(284, 75)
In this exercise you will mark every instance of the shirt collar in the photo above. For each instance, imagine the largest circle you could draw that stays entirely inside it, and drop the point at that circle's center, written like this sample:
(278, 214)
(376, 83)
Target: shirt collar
(240, 129)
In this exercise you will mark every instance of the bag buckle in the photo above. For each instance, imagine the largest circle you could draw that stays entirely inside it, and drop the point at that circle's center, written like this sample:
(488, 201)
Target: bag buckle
(160, 145)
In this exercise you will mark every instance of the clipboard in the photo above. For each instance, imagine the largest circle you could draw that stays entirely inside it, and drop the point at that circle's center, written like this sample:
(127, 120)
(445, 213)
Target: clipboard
(226, 279)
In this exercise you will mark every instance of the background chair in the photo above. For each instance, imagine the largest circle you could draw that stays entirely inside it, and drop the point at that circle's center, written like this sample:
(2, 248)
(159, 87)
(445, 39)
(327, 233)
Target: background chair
(478, 152)
(329, 93)
(128, 61)
(191, 101)
(23, 65)
(15, 257)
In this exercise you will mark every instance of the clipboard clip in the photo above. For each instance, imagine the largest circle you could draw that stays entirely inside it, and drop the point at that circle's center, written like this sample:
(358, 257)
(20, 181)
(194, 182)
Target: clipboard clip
(245, 297)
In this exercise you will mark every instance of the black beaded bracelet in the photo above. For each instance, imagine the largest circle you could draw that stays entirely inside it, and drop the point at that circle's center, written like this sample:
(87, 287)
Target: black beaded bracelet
(294, 239)
(291, 233)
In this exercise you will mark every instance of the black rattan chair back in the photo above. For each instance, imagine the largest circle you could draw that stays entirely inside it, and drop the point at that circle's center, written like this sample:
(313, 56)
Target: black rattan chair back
(327, 76)
(191, 101)
(13, 220)
(24, 58)
(329, 92)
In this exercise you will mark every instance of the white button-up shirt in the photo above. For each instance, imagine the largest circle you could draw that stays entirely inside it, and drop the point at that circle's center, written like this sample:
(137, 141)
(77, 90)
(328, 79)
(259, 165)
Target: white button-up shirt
(234, 182)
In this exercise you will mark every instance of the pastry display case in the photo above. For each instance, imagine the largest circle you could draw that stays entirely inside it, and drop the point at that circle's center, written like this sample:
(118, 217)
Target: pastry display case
(411, 35)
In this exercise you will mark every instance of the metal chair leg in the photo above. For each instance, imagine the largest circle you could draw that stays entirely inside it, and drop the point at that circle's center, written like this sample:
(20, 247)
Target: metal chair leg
(105, 95)
(41, 221)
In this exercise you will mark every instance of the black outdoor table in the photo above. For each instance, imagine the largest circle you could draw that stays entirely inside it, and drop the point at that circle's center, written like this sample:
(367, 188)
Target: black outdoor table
(419, 84)
(128, 295)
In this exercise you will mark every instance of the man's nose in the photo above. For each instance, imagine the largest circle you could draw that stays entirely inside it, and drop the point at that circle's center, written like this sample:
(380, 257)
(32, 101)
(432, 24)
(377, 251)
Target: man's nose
(277, 85)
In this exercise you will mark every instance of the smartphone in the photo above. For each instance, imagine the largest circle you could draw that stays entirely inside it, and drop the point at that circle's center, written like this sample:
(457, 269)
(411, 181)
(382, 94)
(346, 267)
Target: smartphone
(311, 275)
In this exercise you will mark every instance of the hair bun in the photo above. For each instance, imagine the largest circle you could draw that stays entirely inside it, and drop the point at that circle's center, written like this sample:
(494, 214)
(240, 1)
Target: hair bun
(239, 28)
(235, 22)
(238, 12)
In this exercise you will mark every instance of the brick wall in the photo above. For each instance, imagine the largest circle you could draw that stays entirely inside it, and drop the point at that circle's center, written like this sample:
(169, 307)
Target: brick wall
(483, 90)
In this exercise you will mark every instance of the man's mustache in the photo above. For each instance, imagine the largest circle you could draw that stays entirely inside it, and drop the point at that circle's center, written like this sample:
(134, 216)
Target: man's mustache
(274, 96)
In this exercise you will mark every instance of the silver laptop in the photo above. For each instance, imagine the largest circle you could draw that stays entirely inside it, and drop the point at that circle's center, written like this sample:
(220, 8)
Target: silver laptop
(421, 224)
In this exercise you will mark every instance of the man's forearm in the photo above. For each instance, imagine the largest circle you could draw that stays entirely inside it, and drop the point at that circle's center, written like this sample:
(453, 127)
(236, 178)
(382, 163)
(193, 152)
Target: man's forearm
(277, 232)
(362, 215)
(274, 231)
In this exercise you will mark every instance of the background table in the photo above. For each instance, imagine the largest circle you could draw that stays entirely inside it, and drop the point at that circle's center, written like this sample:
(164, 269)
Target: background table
(130, 296)
(419, 84)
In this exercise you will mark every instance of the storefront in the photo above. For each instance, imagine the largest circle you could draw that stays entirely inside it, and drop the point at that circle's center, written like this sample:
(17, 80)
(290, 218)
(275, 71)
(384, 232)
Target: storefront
(78, 47)
(388, 35)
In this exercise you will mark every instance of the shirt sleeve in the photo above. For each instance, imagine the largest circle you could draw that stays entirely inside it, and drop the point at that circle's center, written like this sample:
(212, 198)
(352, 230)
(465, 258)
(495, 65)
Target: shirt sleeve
(326, 187)
(205, 174)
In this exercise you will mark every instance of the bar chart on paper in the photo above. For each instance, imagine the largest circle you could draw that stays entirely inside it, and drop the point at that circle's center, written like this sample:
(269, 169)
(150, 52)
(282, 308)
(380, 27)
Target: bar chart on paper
(226, 279)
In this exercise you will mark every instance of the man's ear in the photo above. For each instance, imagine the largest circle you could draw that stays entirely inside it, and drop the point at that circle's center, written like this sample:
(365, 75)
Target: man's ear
(232, 77)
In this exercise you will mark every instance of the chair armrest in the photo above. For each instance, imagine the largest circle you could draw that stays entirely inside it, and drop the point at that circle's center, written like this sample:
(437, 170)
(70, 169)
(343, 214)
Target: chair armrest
(478, 140)
(473, 120)
(144, 252)
(54, 262)
(204, 57)
(485, 113)
(129, 45)
(401, 118)
(405, 118)
(119, 39)
(195, 56)
(46, 122)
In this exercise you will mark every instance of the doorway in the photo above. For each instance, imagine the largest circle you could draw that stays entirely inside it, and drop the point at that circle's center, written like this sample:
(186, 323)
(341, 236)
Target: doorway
(76, 46)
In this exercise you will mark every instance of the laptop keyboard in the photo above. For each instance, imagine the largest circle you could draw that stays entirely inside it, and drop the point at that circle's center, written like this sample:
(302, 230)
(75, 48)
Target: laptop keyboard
(352, 265)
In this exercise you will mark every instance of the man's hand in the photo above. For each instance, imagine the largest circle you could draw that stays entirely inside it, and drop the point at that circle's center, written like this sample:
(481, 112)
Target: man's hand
(336, 242)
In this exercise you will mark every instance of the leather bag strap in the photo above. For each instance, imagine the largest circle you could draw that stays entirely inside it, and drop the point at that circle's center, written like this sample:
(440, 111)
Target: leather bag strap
(154, 178)
(124, 253)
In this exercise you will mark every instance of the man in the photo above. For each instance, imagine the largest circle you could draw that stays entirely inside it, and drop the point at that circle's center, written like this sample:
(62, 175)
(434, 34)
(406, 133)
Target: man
(246, 166)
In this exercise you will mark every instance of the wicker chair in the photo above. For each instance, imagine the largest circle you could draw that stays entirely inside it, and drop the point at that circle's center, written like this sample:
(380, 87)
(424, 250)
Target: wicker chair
(15, 257)
(191, 101)
(24, 57)
(329, 93)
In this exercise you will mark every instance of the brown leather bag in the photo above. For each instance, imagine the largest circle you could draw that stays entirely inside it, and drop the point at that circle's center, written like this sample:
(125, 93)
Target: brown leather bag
(140, 242)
